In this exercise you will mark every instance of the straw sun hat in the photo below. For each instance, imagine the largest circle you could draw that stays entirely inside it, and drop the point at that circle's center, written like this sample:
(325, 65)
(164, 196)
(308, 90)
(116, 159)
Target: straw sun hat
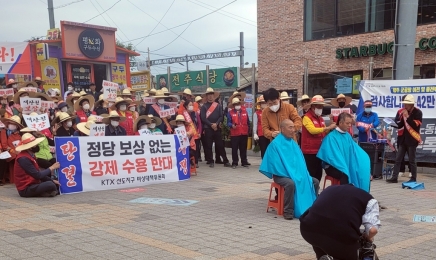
(28, 141)
(112, 114)
(335, 103)
(179, 118)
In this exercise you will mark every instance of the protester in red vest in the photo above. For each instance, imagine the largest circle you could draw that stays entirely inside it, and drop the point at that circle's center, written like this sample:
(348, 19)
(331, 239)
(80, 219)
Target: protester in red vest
(155, 110)
(239, 123)
(84, 108)
(312, 133)
(120, 106)
(29, 180)
(257, 127)
(141, 123)
(10, 138)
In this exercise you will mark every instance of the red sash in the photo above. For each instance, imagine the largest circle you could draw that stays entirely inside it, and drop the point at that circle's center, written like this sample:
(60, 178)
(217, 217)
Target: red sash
(189, 120)
(157, 109)
(411, 131)
(211, 109)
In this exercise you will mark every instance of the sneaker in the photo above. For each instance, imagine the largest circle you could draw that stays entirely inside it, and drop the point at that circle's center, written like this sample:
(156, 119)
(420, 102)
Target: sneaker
(412, 180)
(326, 257)
(219, 162)
(247, 163)
(207, 162)
(227, 164)
(288, 216)
(233, 166)
(211, 165)
(378, 177)
(392, 180)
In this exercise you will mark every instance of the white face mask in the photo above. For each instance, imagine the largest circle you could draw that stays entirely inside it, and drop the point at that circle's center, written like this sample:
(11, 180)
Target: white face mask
(144, 127)
(132, 109)
(69, 124)
(237, 107)
(161, 101)
(12, 127)
(70, 88)
(190, 108)
(115, 123)
(152, 125)
(123, 107)
(318, 111)
(275, 108)
(14, 85)
(86, 106)
(64, 109)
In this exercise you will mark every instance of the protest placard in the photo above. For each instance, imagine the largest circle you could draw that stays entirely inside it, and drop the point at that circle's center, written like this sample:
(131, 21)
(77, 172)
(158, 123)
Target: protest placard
(337, 111)
(119, 162)
(110, 90)
(6, 92)
(97, 130)
(182, 136)
(29, 89)
(144, 132)
(46, 105)
(167, 112)
(171, 104)
(38, 122)
(149, 100)
(30, 105)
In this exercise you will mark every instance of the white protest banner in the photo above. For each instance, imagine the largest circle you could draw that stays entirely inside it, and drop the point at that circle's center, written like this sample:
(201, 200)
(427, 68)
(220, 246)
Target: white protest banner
(171, 104)
(39, 122)
(337, 111)
(119, 162)
(149, 100)
(10, 53)
(6, 92)
(167, 112)
(29, 89)
(144, 132)
(386, 95)
(182, 136)
(30, 105)
(97, 130)
(110, 90)
(46, 105)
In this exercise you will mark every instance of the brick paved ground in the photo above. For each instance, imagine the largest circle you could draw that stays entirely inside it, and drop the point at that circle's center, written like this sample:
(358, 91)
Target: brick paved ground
(228, 222)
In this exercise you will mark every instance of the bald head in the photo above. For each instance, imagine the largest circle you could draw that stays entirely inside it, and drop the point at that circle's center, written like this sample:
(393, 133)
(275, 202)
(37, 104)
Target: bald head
(287, 128)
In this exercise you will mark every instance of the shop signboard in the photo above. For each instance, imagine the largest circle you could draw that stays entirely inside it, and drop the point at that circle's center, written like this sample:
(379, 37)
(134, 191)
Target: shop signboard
(219, 79)
(119, 73)
(42, 52)
(140, 80)
(53, 34)
(50, 73)
(344, 86)
(81, 75)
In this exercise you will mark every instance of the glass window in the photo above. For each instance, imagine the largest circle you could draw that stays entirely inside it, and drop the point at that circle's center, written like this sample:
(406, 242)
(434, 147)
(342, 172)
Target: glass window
(324, 83)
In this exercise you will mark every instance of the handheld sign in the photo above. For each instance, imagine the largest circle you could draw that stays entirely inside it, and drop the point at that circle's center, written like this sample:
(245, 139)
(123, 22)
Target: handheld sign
(337, 111)
(110, 90)
(144, 132)
(30, 105)
(149, 100)
(97, 130)
(6, 92)
(167, 112)
(182, 136)
(38, 122)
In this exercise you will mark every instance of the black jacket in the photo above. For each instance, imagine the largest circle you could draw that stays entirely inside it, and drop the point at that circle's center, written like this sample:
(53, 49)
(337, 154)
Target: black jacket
(415, 121)
(215, 118)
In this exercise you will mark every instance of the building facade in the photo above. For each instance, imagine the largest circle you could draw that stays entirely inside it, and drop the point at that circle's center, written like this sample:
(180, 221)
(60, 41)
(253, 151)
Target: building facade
(336, 39)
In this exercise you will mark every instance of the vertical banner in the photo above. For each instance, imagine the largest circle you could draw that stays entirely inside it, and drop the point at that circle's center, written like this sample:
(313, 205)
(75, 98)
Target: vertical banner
(119, 73)
(118, 162)
(50, 73)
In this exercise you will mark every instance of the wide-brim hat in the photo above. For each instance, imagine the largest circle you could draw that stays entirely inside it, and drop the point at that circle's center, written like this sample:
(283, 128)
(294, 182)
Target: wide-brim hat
(42, 96)
(198, 98)
(120, 100)
(83, 93)
(71, 97)
(145, 93)
(160, 94)
(28, 141)
(126, 92)
(20, 92)
(14, 120)
(260, 100)
(152, 92)
(112, 114)
(135, 124)
(408, 99)
(88, 97)
(38, 79)
(62, 117)
(165, 91)
(28, 130)
(209, 91)
(234, 101)
(186, 91)
(100, 99)
(11, 82)
(180, 118)
(335, 103)
(304, 97)
(134, 103)
(85, 127)
(241, 95)
(156, 119)
(25, 84)
(317, 100)
(284, 96)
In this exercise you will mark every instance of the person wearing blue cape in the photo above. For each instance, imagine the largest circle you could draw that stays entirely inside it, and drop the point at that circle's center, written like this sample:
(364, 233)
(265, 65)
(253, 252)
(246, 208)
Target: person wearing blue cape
(343, 159)
(284, 163)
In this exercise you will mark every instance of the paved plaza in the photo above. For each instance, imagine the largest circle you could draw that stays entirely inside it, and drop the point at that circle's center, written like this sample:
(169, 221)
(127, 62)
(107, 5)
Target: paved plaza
(228, 221)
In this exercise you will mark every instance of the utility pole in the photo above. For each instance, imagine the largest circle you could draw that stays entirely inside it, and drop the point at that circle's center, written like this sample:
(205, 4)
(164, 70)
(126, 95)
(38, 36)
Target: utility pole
(405, 34)
(148, 61)
(371, 68)
(51, 14)
(187, 62)
(241, 48)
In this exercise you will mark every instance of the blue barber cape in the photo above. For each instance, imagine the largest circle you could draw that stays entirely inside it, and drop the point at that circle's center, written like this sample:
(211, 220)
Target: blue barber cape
(340, 151)
(284, 158)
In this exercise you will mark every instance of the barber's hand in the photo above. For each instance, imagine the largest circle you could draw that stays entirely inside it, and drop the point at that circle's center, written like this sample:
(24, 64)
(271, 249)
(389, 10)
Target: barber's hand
(332, 126)
(275, 133)
(331, 117)
(256, 137)
(55, 166)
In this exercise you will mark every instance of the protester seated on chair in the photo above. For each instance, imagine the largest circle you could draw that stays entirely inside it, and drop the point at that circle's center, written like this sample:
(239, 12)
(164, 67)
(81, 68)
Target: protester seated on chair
(344, 159)
(284, 163)
(332, 224)
(29, 180)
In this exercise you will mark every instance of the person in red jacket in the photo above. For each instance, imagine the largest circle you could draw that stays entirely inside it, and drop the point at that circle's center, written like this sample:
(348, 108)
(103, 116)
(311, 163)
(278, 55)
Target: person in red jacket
(29, 180)
(312, 133)
(257, 127)
(239, 123)
(120, 106)
(84, 108)
(10, 138)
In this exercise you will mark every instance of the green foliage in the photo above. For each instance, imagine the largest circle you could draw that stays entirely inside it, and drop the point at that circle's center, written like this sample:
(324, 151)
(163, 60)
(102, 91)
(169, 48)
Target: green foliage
(225, 130)
(128, 46)
(256, 148)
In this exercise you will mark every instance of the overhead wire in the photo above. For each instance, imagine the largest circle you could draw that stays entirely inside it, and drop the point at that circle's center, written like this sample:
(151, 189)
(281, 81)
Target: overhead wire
(116, 25)
(175, 38)
(227, 11)
(67, 4)
(103, 16)
(103, 11)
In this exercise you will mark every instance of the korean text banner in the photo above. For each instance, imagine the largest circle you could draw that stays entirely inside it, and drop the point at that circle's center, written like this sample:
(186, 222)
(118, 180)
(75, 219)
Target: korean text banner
(13, 53)
(118, 162)
(386, 95)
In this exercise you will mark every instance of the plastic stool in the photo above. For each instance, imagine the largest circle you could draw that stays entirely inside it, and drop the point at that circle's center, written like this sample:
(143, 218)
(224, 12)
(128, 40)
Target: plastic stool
(332, 180)
(279, 203)
(193, 166)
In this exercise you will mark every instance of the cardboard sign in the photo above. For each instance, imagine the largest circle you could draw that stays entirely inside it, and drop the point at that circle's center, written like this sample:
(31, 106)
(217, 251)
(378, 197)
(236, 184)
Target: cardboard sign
(39, 122)
(149, 100)
(337, 111)
(171, 104)
(6, 92)
(182, 136)
(110, 90)
(167, 112)
(144, 132)
(30, 105)
(30, 89)
(97, 130)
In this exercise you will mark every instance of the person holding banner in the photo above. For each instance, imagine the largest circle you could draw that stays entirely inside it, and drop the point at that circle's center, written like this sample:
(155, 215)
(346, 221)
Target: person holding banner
(29, 179)
(411, 119)
(120, 107)
(43, 155)
(201, 143)
(312, 133)
(113, 121)
(257, 126)
(211, 114)
(190, 132)
(366, 122)
(155, 121)
(239, 123)
(141, 123)
(284, 97)
(193, 120)
(83, 108)
(159, 106)
(64, 124)
(16, 108)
